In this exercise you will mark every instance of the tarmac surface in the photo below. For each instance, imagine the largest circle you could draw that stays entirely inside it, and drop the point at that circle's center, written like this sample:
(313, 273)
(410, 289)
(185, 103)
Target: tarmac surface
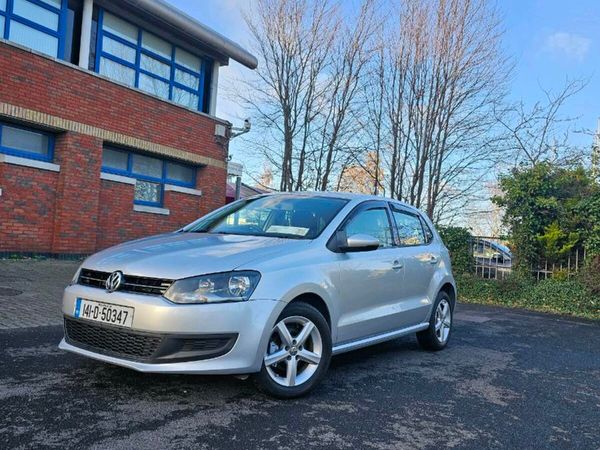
(508, 379)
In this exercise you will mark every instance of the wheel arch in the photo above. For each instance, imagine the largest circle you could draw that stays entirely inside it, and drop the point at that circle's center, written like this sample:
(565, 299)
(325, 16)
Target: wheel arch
(450, 290)
(316, 301)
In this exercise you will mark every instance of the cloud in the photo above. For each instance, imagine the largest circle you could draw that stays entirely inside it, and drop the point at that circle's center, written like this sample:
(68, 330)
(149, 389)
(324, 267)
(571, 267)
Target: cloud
(569, 44)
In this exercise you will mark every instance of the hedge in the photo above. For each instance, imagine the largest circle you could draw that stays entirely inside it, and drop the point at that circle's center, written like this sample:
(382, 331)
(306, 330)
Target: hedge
(569, 297)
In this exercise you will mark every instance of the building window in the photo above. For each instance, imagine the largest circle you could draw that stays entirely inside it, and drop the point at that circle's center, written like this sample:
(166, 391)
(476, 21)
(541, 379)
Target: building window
(27, 143)
(37, 24)
(138, 58)
(151, 173)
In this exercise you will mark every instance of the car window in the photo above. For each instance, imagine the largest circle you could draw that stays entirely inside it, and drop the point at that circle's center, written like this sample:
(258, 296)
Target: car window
(373, 222)
(427, 230)
(288, 216)
(410, 231)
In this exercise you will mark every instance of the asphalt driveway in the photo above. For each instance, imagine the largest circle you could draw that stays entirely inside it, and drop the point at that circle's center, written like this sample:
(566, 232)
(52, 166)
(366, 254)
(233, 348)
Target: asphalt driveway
(509, 379)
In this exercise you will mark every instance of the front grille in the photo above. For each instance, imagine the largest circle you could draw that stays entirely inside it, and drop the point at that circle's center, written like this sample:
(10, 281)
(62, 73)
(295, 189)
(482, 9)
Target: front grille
(140, 285)
(112, 341)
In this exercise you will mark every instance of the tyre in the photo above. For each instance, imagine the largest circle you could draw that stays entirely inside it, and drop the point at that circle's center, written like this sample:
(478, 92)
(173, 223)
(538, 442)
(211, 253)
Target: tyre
(436, 337)
(298, 353)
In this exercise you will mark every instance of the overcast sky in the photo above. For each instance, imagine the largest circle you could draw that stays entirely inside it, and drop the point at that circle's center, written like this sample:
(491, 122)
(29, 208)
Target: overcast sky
(549, 40)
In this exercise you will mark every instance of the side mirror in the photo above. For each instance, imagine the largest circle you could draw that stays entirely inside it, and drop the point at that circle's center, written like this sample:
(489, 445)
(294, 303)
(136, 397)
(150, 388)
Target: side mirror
(359, 243)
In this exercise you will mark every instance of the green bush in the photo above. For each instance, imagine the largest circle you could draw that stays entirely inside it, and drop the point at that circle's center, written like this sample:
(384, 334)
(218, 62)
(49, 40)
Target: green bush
(590, 275)
(590, 209)
(548, 210)
(566, 297)
(458, 242)
(552, 295)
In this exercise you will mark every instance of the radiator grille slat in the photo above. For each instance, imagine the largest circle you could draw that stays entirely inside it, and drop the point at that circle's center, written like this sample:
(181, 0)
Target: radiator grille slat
(131, 283)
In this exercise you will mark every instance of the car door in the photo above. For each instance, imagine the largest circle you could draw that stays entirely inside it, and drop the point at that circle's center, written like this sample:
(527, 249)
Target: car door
(368, 281)
(420, 255)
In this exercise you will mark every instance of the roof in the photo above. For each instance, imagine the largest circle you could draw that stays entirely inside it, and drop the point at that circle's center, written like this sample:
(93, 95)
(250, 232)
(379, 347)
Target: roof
(343, 195)
(166, 13)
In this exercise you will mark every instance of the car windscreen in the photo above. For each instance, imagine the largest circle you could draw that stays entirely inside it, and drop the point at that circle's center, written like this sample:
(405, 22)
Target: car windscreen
(288, 216)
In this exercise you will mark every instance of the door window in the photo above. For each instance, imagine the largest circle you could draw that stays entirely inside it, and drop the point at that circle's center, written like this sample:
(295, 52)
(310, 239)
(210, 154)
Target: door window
(373, 222)
(410, 231)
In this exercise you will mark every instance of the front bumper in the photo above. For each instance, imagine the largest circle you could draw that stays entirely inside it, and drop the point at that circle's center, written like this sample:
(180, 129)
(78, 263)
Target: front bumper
(248, 323)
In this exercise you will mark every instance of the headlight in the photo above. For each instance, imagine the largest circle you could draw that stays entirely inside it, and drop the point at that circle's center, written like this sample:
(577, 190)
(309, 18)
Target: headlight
(214, 288)
(75, 278)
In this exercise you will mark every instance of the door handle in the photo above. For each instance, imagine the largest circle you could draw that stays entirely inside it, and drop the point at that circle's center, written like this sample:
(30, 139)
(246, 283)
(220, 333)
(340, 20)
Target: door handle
(433, 259)
(397, 265)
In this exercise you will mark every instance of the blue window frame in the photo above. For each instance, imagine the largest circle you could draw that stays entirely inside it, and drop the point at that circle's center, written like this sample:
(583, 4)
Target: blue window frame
(138, 58)
(25, 142)
(37, 24)
(151, 173)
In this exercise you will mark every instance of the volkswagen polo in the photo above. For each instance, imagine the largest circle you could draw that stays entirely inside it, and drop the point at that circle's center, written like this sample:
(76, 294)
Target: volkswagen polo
(271, 286)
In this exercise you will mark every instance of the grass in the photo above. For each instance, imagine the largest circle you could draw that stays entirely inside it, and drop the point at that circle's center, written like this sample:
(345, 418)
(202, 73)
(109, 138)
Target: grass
(569, 297)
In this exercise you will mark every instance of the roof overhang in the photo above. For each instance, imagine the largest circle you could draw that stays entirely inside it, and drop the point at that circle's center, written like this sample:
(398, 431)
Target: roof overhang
(162, 11)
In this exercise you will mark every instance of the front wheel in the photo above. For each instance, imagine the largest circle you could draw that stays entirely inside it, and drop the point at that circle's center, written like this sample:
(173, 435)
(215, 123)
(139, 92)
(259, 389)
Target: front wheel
(436, 337)
(298, 352)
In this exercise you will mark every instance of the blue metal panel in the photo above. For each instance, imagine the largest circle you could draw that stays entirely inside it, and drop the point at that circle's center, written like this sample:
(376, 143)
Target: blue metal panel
(100, 53)
(60, 34)
(138, 56)
(161, 181)
(48, 157)
(62, 29)
(99, 40)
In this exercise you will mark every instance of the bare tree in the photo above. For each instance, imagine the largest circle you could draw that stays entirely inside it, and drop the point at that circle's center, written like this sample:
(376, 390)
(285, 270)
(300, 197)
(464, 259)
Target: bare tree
(541, 133)
(293, 38)
(351, 52)
(441, 76)
(416, 87)
(362, 177)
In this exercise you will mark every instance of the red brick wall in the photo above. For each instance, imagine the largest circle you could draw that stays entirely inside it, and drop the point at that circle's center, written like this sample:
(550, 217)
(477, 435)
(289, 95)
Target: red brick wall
(41, 84)
(74, 211)
(27, 208)
(76, 216)
(116, 200)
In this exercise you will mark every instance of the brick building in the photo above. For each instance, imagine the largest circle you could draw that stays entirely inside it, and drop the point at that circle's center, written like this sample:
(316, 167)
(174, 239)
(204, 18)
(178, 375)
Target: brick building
(107, 122)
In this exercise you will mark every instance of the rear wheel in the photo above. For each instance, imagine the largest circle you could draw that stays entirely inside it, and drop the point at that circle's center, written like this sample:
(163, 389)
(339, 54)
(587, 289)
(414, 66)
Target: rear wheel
(436, 337)
(298, 352)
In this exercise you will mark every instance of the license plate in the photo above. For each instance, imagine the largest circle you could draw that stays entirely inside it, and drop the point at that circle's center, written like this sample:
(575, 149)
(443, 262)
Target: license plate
(104, 312)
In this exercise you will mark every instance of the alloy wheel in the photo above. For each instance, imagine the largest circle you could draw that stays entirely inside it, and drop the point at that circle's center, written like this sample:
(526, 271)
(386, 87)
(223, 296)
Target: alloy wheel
(294, 351)
(443, 321)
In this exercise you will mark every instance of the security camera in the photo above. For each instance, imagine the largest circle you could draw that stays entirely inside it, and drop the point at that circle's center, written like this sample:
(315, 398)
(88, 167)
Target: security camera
(239, 131)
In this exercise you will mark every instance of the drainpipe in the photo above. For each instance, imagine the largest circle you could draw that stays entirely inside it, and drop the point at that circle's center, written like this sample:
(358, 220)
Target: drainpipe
(86, 33)
(214, 86)
(238, 187)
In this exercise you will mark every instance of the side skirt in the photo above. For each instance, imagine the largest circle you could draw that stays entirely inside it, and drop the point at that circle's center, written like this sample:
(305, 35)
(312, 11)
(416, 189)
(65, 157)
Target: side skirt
(372, 340)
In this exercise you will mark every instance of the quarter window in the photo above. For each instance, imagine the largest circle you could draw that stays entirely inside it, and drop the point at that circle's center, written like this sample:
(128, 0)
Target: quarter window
(408, 226)
(427, 231)
(373, 222)
(37, 24)
(151, 173)
(143, 60)
(25, 142)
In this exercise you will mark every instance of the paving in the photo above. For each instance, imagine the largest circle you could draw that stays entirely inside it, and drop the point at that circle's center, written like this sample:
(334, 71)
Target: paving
(30, 291)
(508, 379)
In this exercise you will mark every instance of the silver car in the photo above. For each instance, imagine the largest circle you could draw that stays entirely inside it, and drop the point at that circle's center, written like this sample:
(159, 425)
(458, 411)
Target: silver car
(271, 286)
